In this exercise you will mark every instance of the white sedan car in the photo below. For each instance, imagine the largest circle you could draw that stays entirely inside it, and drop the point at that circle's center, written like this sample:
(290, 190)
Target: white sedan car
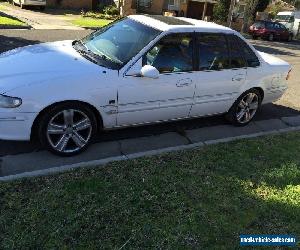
(23, 3)
(138, 70)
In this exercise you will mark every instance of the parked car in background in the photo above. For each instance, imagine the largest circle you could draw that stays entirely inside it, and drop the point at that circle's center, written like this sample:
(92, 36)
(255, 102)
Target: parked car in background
(291, 20)
(270, 31)
(22, 3)
(137, 70)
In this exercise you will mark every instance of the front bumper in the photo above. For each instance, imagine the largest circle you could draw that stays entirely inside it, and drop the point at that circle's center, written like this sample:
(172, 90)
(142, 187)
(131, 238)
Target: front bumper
(16, 126)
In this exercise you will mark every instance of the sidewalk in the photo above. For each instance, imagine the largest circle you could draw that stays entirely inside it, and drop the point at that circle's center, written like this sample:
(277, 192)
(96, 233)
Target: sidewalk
(40, 20)
(44, 162)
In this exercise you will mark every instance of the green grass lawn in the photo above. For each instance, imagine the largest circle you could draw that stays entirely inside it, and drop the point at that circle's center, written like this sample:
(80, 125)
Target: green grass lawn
(195, 199)
(90, 22)
(6, 21)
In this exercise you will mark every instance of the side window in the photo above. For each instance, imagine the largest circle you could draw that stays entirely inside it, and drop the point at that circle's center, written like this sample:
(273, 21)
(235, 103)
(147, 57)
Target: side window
(269, 25)
(248, 53)
(277, 26)
(282, 27)
(213, 52)
(173, 53)
(236, 55)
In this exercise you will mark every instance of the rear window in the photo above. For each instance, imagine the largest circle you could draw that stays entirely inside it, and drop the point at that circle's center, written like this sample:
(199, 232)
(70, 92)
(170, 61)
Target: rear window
(248, 53)
(259, 25)
(214, 53)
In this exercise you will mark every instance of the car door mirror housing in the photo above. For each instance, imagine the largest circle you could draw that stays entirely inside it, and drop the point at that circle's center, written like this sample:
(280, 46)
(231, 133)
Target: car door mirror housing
(149, 72)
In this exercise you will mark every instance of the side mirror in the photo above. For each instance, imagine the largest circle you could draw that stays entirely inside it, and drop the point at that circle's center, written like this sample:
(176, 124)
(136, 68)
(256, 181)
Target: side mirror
(150, 72)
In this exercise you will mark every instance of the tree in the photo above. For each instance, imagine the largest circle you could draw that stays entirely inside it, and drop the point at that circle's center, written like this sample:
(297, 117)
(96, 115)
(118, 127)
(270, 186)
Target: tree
(221, 10)
(261, 6)
(296, 3)
(250, 8)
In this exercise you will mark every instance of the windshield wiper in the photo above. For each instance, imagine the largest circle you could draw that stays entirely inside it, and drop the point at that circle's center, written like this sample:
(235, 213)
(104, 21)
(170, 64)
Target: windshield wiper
(107, 58)
(89, 54)
(84, 51)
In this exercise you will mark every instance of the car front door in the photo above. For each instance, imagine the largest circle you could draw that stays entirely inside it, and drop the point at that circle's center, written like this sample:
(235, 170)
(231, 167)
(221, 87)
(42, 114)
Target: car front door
(279, 32)
(170, 96)
(221, 73)
(284, 32)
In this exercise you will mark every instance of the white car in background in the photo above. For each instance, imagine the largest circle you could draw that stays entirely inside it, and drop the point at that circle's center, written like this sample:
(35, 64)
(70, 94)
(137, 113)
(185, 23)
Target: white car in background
(23, 3)
(138, 70)
(290, 19)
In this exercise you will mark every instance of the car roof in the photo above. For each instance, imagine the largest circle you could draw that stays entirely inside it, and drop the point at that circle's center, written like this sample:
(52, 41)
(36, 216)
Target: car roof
(265, 21)
(285, 13)
(166, 23)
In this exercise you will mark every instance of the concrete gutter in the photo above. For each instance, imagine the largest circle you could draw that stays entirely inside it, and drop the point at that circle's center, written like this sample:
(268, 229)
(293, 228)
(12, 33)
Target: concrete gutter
(102, 162)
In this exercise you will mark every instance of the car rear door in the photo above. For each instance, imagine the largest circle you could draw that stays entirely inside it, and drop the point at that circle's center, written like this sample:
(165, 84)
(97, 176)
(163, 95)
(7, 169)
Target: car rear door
(221, 73)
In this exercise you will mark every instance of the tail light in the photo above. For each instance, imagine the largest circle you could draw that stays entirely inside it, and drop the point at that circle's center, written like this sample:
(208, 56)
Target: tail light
(288, 75)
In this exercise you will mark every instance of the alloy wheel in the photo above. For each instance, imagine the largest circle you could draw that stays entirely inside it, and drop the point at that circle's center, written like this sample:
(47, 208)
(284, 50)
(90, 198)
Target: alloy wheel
(247, 108)
(69, 131)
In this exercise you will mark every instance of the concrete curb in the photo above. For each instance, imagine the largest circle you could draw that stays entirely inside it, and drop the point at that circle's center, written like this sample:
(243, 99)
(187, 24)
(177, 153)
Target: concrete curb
(14, 27)
(98, 163)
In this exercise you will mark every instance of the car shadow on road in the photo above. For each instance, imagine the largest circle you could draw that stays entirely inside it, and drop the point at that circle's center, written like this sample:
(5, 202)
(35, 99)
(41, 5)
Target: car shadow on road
(9, 43)
(277, 47)
(267, 112)
(272, 50)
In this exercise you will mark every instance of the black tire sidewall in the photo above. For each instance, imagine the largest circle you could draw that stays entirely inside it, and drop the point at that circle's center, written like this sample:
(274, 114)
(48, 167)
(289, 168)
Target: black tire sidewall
(48, 115)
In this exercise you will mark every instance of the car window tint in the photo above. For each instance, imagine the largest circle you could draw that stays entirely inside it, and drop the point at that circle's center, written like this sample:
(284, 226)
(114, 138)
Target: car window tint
(269, 26)
(173, 53)
(282, 26)
(259, 25)
(236, 58)
(277, 26)
(248, 53)
(213, 52)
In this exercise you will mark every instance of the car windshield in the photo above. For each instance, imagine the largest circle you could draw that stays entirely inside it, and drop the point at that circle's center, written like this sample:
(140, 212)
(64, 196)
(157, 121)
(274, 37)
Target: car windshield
(120, 41)
(283, 18)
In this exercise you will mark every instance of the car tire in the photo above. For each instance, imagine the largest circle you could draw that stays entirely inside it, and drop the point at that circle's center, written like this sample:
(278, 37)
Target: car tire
(271, 37)
(290, 38)
(42, 8)
(245, 108)
(67, 129)
(254, 37)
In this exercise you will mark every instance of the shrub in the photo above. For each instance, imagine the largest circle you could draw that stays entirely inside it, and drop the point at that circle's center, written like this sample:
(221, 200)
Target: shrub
(111, 10)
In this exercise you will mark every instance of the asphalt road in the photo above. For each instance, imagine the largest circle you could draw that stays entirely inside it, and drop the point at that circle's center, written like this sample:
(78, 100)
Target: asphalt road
(289, 105)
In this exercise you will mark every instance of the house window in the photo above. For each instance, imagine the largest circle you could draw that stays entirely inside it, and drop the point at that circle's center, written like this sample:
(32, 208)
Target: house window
(144, 3)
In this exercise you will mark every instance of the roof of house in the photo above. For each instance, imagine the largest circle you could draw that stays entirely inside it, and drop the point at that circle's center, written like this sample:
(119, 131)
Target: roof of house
(165, 23)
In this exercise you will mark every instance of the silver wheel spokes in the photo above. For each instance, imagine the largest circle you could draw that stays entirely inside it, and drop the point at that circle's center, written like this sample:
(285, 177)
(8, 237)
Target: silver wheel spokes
(69, 131)
(247, 108)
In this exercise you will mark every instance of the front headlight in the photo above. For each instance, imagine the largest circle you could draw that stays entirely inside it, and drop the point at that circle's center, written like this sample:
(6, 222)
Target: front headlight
(9, 102)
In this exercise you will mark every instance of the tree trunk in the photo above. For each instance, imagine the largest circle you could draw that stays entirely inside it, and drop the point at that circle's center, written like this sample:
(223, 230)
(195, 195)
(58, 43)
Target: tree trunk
(250, 8)
(229, 18)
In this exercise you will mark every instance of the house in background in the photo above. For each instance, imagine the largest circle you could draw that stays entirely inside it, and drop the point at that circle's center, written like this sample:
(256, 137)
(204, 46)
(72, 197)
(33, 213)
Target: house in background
(198, 9)
(77, 4)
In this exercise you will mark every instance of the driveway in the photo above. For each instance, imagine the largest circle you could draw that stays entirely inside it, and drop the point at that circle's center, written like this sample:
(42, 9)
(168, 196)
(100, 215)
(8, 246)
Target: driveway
(42, 20)
(131, 140)
(289, 52)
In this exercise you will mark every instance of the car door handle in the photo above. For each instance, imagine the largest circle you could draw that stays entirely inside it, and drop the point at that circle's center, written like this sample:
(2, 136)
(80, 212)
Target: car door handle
(238, 78)
(184, 83)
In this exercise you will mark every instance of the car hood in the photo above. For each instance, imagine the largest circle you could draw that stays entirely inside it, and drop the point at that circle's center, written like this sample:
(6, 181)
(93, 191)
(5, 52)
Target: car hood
(42, 63)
